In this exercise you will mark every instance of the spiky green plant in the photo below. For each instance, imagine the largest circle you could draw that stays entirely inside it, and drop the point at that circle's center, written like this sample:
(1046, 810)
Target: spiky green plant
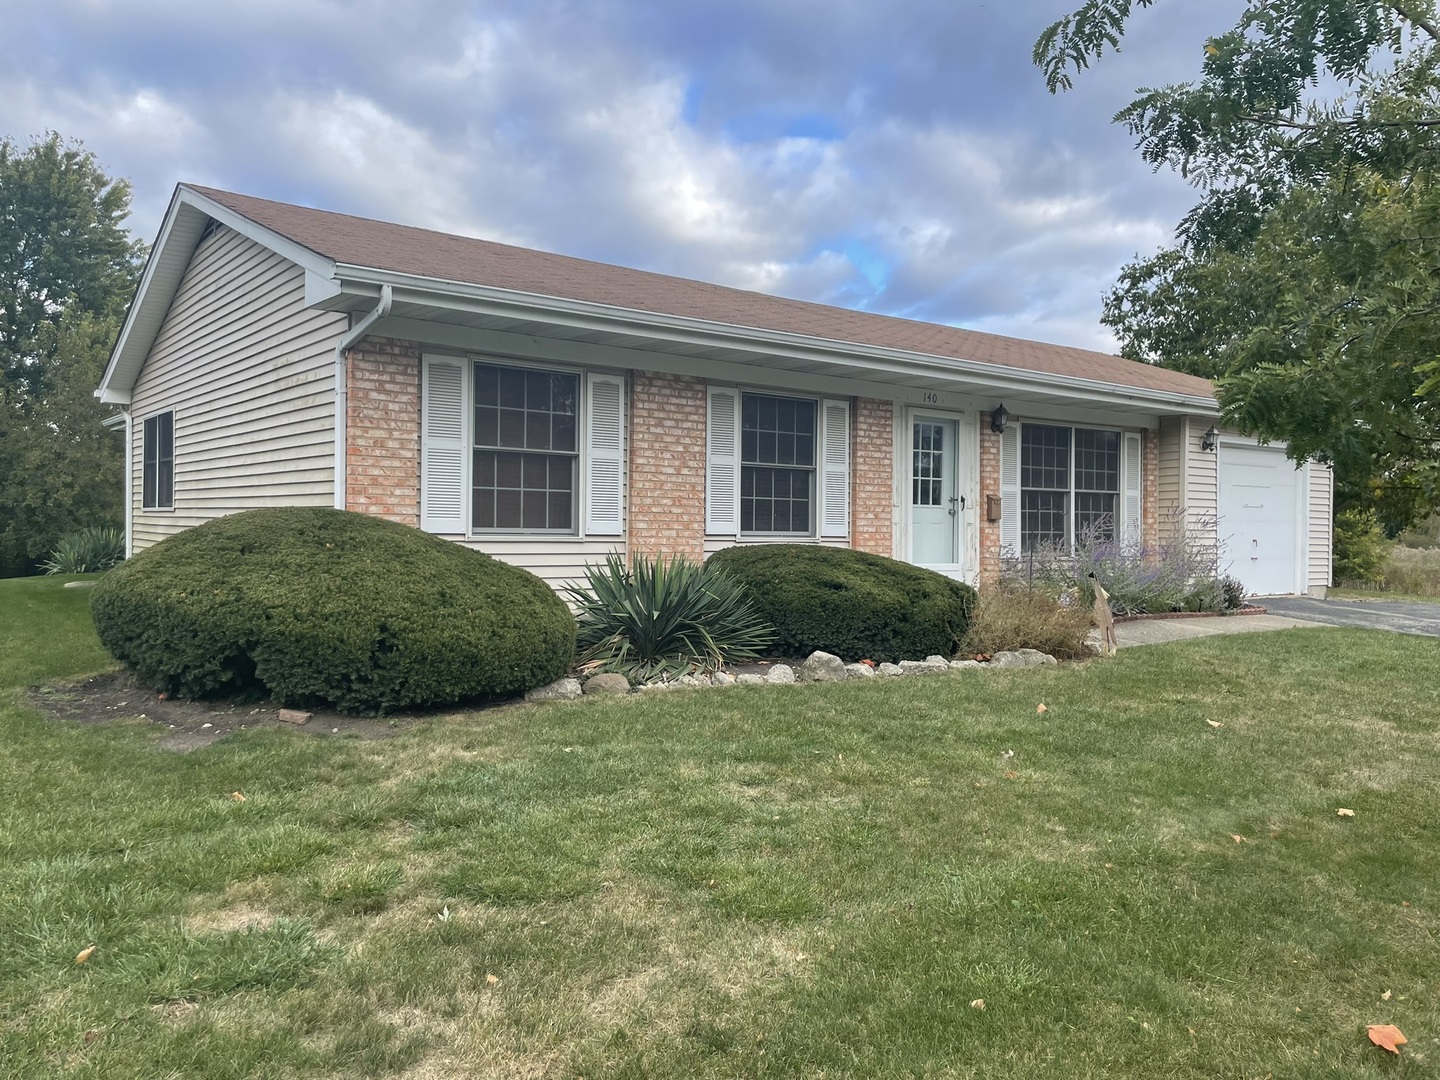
(88, 551)
(663, 617)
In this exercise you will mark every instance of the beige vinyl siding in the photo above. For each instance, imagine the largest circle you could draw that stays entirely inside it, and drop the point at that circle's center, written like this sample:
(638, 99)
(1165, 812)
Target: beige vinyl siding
(556, 562)
(249, 374)
(1320, 524)
(1169, 488)
(1201, 479)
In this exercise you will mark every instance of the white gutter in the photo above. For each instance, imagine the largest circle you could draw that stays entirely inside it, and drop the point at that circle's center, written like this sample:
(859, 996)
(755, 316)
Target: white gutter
(343, 346)
(130, 482)
(870, 357)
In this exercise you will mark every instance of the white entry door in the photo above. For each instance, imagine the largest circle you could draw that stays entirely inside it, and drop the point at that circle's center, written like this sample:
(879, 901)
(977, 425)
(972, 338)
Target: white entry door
(934, 494)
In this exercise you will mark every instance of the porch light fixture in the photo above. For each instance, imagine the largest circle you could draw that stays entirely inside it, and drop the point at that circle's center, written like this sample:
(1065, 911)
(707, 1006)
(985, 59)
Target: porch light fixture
(998, 419)
(1210, 439)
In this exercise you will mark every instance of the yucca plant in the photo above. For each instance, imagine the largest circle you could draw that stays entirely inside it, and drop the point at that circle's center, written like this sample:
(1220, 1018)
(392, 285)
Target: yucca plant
(88, 551)
(658, 618)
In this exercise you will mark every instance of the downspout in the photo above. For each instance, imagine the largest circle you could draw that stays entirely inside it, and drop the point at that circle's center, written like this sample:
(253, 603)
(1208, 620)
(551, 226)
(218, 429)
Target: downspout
(343, 346)
(130, 481)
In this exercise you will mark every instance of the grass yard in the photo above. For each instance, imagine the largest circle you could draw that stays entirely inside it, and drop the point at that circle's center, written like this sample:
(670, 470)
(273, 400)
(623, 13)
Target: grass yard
(804, 881)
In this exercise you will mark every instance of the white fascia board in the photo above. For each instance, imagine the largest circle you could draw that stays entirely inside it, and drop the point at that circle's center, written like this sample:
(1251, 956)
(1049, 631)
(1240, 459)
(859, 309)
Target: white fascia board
(870, 358)
(184, 224)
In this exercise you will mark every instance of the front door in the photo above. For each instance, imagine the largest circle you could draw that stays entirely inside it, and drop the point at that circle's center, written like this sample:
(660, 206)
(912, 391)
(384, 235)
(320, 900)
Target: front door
(934, 498)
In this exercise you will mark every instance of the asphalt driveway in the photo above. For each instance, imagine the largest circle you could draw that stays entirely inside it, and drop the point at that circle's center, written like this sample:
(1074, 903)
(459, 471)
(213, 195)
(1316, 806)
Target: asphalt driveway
(1402, 616)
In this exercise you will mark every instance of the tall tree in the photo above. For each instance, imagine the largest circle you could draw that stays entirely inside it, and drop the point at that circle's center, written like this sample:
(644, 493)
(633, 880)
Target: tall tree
(68, 267)
(1307, 277)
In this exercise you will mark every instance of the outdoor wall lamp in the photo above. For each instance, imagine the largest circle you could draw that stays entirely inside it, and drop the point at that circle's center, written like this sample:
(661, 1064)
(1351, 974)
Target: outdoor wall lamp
(1210, 439)
(998, 419)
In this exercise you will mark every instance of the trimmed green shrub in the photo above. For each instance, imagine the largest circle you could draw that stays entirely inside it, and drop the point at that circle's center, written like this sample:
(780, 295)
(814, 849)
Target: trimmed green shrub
(314, 606)
(664, 618)
(855, 605)
(88, 551)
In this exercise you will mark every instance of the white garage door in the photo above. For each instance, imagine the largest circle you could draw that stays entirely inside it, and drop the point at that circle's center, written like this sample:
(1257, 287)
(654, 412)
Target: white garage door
(1260, 517)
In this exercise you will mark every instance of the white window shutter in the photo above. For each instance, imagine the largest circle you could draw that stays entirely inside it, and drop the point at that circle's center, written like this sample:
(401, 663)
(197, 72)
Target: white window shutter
(442, 446)
(1010, 492)
(722, 462)
(835, 469)
(1131, 470)
(604, 455)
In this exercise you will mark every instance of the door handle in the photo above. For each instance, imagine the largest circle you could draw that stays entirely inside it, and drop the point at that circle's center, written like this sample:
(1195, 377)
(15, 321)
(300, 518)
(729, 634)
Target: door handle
(953, 501)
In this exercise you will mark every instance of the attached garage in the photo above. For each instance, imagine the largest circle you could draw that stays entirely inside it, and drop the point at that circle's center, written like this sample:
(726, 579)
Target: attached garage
(1275, 519)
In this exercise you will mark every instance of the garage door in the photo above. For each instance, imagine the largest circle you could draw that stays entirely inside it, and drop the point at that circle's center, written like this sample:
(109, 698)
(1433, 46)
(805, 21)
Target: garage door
(1259, 517)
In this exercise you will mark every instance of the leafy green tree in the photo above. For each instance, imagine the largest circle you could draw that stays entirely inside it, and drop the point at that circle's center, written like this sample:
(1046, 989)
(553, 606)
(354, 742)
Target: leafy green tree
(68, 267)
(1305, 279)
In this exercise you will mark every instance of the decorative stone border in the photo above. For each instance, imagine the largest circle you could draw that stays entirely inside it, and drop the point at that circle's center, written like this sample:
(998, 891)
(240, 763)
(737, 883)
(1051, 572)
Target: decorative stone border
(818, 667)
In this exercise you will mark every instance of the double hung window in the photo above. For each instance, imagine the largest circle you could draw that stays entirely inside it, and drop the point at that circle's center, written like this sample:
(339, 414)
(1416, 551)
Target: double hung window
(777, 465)
(526, 454)
(1069, 485)
(157, 465)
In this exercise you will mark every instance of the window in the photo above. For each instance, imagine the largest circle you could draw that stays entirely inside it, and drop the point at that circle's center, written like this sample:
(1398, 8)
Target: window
(157, 471)
(777, 465)
(525, 457)
(1069, 485)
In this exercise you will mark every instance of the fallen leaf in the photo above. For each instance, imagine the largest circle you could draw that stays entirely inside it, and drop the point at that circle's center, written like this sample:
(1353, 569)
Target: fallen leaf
(85, 954)
(1214, 723)
(1344, 812)
(237, 796)
(92, 1035)
(1386, 1036)
(1385, 996)
(1041, 708)
(979, 1003)
(1011, 774)
(868, 663)
(1237, 838)
(491, 980)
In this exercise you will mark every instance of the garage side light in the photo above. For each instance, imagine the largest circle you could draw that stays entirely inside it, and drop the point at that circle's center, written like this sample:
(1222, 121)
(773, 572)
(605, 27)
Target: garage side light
(1210, 439)
(997, 420)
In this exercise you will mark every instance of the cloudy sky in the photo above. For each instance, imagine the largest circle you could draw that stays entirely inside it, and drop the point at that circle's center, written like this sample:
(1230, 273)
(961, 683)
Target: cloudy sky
(902, 157)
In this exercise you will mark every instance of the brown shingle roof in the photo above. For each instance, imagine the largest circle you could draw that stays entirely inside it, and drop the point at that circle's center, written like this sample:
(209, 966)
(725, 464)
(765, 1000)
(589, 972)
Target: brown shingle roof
(403, 249)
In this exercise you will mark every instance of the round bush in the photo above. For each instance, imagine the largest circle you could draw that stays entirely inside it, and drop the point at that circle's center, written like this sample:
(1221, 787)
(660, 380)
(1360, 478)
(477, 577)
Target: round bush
(854, 605)
(314, 606)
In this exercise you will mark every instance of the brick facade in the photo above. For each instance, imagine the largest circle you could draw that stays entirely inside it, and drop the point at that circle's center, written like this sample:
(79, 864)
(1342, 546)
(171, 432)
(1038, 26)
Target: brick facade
(989, 485)
(872, 485)
(667, 465)
(382, 429)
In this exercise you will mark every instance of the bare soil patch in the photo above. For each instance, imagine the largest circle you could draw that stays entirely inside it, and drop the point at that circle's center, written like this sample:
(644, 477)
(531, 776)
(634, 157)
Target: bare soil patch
(189, 725)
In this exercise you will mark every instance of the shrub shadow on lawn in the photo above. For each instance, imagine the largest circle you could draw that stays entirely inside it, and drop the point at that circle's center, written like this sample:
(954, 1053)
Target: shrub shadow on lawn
(190, 725)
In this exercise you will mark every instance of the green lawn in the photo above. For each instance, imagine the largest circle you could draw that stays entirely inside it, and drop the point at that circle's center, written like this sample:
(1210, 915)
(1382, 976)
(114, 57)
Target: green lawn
(804, 881)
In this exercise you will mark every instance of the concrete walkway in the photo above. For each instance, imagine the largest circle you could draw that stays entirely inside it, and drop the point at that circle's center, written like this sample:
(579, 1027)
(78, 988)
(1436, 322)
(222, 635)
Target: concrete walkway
(1162, 631)
(1290, 612)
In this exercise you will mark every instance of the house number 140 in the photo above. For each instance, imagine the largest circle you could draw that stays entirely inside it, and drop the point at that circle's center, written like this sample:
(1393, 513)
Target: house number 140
(932, 398)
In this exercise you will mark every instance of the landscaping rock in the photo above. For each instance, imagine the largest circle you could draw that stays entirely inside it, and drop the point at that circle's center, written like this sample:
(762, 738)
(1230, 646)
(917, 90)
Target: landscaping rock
(938, 660)
(608, 682)
(964, 665)
(859, 671)
(1035, 657)
(654, 686)
(723, 678)
(822, 667)
(1007, 660)
(890, 670)
(559, 690)
(695, 680)
(780, 674)
(924, 667)
(750, 679)
(294, 716)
